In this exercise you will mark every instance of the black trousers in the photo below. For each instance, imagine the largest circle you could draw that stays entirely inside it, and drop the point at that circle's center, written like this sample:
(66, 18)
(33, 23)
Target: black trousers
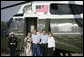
(50, 52)
(12, 51)
(44, 49)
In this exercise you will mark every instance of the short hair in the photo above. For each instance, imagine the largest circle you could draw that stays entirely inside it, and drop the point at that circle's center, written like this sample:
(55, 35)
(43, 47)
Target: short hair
(43, 30)
(35, 30)
(49, 32)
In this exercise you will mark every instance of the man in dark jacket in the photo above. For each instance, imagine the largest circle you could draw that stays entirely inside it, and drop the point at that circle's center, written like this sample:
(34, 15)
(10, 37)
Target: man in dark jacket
(12, 44)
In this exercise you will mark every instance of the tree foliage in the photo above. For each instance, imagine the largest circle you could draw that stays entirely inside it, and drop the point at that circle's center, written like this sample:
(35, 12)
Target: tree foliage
(3, 24)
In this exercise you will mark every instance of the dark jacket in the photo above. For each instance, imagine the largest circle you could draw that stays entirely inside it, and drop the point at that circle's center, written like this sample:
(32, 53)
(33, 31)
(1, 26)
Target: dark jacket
(12, 42)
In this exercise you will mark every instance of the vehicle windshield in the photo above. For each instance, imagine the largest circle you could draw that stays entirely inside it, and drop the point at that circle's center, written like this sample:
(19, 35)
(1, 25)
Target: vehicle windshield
(17, 25)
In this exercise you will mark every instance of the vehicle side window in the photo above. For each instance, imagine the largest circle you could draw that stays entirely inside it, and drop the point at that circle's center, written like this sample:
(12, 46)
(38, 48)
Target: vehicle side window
(63, 9)
(76, 9)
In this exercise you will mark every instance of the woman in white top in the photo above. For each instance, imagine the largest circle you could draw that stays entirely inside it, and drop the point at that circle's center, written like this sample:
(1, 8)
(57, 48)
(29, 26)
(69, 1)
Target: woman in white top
(27, 47)
(51, 44)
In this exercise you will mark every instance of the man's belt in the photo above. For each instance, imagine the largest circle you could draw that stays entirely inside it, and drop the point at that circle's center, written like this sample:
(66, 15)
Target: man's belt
(12, 43)
(44, 43)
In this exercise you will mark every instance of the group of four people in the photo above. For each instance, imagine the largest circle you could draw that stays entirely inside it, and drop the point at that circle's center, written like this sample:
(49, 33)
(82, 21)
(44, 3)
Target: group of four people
(39, 44)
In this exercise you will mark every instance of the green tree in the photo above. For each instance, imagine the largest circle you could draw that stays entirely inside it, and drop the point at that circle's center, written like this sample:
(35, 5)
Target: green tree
(3, 24)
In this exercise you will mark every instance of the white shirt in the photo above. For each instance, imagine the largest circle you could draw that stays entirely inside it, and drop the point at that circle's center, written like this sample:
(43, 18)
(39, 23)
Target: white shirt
(35, 38)
(51, 42)
(44, 38)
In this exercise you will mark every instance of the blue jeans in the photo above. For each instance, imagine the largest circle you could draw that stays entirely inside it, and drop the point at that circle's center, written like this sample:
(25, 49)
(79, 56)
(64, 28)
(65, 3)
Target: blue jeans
(12, 52)
(35, 49)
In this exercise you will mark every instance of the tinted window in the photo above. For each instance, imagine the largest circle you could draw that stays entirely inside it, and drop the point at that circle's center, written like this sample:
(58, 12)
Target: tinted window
(38, 7)
(76, 9)
(65, 9)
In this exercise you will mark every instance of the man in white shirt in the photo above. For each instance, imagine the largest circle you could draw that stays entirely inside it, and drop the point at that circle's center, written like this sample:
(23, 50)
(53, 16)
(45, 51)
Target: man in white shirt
(35, 43)
(44, 43)
(51, 44)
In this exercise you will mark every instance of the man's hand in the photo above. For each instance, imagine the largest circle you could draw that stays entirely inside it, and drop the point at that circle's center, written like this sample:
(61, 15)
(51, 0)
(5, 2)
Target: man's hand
(54, 49)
